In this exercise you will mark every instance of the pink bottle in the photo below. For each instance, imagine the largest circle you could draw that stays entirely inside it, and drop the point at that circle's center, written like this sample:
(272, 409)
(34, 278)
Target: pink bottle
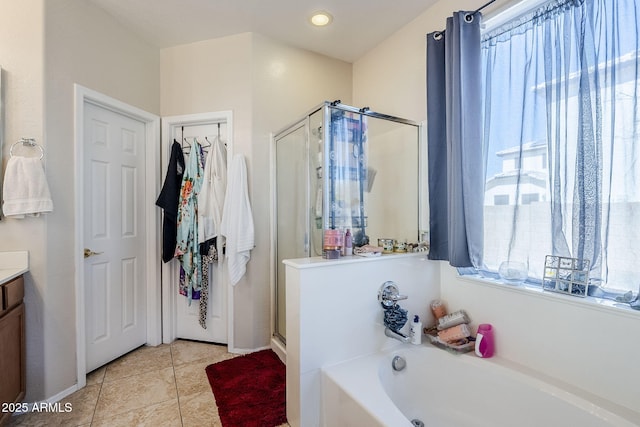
(485, 341)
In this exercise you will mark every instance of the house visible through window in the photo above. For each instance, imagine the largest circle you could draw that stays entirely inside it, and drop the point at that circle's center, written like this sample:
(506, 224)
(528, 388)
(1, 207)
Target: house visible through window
(501, 199)
(562, 137)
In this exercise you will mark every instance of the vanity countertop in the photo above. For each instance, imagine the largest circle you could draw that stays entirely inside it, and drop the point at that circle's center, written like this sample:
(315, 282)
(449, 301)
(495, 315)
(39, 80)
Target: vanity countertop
(13, 264)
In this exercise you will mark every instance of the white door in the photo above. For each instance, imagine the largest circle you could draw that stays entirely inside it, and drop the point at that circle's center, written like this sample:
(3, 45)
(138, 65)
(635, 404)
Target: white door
(114, 234)
(181, 320)
(187, 316)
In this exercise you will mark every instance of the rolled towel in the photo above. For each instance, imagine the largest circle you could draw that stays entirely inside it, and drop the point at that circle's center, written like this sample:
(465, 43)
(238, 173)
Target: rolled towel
(367, 251)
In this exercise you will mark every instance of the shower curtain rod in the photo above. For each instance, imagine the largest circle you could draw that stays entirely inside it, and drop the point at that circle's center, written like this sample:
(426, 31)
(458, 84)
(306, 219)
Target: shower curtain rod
(438, 34)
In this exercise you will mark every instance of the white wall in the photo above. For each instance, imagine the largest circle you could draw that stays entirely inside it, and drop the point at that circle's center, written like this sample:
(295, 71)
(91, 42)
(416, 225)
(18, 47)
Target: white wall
(391, 78)
(333, 315)
(45, 48)
(593, 349)
(287, 82)
(590, 347)
(21, 59)
(83, 45)
(267, 85)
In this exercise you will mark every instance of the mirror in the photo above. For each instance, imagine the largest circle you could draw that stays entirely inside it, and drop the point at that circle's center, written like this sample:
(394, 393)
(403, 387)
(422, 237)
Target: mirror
(392, 199)
(373, 176)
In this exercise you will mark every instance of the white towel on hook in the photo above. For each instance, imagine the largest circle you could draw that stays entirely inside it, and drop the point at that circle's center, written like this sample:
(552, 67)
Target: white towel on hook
(237, 220)
(212, 194)
(25, 190)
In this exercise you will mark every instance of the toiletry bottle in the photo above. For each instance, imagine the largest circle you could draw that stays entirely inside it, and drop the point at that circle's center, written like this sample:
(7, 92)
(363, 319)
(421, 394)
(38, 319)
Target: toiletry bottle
(455, 333)
(332, 244)
(452, 319)
(348, 243)
(485, 341)
(438, 309)
(416, 331)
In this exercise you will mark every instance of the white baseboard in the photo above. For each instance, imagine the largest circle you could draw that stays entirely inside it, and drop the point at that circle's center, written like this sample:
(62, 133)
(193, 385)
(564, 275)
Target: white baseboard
(53, 399)
(236, 350)
(279, 349)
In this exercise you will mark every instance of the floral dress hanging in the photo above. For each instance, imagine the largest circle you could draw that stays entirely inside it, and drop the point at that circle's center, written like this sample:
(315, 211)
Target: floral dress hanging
(187, 250)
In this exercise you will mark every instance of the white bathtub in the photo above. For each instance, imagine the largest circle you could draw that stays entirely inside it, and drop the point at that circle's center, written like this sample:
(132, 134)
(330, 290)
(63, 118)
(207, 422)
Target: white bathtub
(446, 390)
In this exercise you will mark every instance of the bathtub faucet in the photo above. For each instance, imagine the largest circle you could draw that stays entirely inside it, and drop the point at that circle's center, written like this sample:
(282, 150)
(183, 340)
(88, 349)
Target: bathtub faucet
(389, 295)
(395, 317)
(397, 335)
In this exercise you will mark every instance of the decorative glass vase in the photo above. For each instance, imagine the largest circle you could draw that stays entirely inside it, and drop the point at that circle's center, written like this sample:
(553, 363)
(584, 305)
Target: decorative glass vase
(513, 272)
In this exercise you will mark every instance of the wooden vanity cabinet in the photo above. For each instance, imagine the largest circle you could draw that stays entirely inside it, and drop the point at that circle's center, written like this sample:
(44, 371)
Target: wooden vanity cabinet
(12, 345)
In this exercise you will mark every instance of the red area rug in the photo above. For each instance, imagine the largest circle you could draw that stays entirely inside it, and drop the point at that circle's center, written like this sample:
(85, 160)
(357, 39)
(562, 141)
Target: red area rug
(250, 390)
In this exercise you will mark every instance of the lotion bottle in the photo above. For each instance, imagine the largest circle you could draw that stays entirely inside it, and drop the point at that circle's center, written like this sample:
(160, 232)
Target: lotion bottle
(348, 243)
(485, 341)
(416, 331)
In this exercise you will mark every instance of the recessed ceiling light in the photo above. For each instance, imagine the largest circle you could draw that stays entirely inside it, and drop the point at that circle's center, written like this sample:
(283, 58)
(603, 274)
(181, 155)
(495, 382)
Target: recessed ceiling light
(321, 18)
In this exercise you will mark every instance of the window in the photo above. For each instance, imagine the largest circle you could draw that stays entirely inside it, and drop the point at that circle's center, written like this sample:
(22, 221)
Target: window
(562, 129)
(501, 199)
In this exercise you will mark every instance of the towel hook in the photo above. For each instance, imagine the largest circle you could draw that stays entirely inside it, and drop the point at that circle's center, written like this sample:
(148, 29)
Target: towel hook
(30, 142)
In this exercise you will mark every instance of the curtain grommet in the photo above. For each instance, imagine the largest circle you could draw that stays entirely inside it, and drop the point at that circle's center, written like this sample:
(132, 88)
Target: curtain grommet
(468, 18)
(437, 36)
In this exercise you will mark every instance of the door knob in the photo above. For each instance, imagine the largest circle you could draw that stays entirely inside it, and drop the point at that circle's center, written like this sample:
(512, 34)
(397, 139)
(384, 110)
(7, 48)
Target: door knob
(89, 252)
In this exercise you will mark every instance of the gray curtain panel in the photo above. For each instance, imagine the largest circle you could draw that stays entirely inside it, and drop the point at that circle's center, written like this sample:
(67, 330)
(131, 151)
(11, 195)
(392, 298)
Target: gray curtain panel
(454, 115)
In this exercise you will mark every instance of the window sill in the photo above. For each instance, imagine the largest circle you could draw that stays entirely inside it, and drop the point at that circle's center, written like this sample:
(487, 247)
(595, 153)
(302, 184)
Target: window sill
(598, 304)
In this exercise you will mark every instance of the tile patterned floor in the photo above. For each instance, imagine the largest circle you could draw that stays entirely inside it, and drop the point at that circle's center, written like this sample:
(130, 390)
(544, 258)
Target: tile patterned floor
(151, 386)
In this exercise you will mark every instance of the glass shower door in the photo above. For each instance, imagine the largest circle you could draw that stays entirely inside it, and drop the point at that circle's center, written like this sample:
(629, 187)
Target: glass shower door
(292, 201)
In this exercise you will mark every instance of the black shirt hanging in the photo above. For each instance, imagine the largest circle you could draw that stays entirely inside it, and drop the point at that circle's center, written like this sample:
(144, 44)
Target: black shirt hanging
(168, 200)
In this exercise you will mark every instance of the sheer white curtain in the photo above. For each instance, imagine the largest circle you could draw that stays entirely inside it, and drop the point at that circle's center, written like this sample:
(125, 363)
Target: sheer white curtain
(561, 128)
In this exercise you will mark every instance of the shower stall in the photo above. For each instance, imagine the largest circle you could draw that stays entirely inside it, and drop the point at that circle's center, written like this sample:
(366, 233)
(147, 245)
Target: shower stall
(341, 168)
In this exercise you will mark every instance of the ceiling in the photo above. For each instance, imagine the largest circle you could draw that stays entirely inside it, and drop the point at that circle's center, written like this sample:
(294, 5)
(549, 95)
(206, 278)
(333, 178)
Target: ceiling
(358, 25)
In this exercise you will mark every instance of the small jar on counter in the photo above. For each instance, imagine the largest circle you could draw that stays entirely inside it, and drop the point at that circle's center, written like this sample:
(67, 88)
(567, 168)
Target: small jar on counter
(386, 245)
(400, 246)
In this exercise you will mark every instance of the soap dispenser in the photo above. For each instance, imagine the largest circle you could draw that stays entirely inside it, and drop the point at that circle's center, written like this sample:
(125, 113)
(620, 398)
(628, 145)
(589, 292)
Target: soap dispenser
(416, 331)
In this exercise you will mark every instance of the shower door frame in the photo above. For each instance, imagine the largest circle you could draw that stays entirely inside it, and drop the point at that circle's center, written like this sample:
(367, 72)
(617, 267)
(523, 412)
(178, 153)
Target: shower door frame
(279, 341)
(300, 124)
